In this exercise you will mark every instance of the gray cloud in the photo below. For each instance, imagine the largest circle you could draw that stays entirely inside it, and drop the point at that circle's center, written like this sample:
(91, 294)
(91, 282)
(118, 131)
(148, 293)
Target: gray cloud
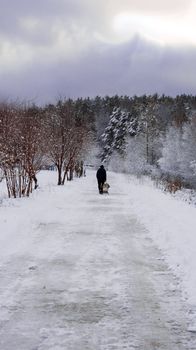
(49, 48)
(136, 67)
(153, 6)
(91, 15)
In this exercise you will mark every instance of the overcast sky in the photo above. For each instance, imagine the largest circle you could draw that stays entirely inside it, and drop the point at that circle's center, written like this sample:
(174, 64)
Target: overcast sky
(52, 48)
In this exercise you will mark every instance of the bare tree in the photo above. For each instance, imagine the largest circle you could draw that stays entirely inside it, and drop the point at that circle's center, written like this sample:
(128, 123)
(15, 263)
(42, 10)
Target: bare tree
(11, 150)
(21, 147)
(33, 145)
(65, 135)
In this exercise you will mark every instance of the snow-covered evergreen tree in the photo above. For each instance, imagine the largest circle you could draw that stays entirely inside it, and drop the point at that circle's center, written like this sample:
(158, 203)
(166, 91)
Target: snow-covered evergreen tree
(121, 124)
(136, 161)
(188, 151)
(170, 162)
(179, 152)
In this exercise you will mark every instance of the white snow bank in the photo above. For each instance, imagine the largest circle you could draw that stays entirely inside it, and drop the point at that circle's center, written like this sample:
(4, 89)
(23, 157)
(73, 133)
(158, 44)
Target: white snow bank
(187, 195)
(172, 225)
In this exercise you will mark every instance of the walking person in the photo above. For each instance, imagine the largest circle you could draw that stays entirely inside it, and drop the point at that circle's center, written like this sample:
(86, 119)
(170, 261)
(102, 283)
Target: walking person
(101, 178)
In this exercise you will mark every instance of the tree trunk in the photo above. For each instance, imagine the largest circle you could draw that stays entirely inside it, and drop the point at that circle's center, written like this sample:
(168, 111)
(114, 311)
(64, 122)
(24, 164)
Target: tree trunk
(59, 169)
(147, 143)
(7, 184)
(35, 181)
(29, 187)
(65, 173)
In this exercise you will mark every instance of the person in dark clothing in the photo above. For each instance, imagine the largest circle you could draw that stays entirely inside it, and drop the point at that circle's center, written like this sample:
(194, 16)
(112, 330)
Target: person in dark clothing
(101, 178)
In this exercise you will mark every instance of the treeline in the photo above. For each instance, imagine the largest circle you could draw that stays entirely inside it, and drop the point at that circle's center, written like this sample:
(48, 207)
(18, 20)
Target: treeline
(154, 135)
(32, 138)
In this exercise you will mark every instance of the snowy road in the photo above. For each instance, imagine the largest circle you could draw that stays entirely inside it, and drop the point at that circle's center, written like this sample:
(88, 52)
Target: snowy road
(79, 272)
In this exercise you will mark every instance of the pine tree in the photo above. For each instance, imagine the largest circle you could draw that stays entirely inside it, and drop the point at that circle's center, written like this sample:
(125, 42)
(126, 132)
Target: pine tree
(171, 152)
(121, 124)
(188, 151)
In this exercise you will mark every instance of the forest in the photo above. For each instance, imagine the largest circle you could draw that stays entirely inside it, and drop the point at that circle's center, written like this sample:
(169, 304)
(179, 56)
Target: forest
(140, 135)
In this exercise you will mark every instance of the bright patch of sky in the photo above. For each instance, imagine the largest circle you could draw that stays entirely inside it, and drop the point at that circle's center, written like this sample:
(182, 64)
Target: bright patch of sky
(164, 30)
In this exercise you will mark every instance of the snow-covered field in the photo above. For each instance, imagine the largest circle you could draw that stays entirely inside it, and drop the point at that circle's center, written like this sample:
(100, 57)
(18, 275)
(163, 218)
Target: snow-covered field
(82, 271)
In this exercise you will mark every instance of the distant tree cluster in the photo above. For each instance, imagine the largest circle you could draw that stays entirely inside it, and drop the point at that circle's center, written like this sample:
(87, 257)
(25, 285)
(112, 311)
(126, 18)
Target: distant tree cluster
(154, 135)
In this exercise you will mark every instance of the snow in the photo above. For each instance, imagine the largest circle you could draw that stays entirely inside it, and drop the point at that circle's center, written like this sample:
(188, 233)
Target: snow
(83, 271)
(172, 225)
(186, 195)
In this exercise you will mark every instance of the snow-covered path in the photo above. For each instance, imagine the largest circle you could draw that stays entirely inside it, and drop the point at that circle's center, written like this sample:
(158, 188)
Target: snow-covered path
(79, 272)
